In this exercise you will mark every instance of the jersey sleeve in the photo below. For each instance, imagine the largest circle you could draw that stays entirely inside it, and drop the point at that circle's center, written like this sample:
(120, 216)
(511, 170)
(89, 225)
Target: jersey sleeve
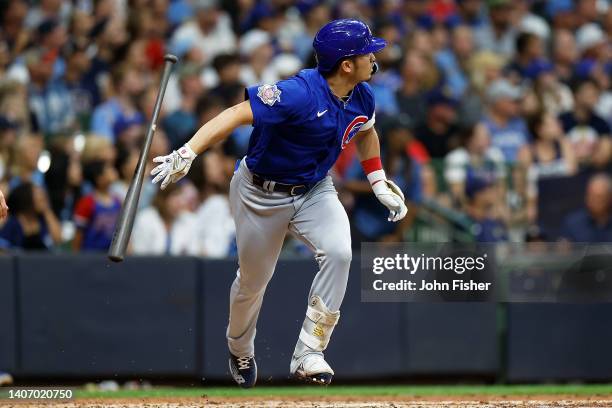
(370, 107)
(276, 103)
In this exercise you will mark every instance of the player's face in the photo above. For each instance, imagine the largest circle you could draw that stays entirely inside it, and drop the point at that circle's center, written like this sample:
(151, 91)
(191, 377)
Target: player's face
(363, 67)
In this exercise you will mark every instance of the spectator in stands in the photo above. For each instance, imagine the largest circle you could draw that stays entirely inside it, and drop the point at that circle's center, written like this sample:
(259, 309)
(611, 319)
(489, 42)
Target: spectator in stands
(216, 231)
(25, 167)
(316, 15)
(415, 70)
(529, 48)
(180, 124)
(8, 137)
(548, 155)
(553, 96)
(470, 13)
(31, 224)
(453, 61)
(128, 87)
(588, 132)
(257, 50)
(165, 228)
(96, 213)
(127, 160)
(484, 68)
(63, 181)
(564, 54)
(593, 223)
(476, 158)
(98, 148)
(529, 21)
(49, 100)
(210, 30)
(13, 27)
(500, 35)
(508, 130)
(78, 64)
(481, 199)
(227, 68)
(438, 131)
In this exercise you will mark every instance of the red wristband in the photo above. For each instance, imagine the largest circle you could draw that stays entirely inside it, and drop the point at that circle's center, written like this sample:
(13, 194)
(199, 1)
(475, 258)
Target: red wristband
(371, 165)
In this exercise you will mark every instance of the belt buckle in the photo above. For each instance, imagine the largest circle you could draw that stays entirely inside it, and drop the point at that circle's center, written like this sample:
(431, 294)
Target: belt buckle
(292, 192)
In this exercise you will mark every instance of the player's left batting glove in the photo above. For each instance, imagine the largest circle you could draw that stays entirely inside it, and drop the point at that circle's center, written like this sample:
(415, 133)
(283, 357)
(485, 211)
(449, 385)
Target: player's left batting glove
(390, 195)
(173, 166)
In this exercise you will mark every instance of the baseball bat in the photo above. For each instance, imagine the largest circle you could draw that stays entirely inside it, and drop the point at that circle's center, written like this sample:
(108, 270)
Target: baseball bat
(125, 222)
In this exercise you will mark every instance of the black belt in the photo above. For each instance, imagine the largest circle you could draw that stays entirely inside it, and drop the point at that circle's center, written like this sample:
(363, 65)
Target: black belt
(291, 189)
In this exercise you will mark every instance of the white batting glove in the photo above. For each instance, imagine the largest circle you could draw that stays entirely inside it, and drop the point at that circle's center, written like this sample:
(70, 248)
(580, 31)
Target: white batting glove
(173, 166)
(390, 195)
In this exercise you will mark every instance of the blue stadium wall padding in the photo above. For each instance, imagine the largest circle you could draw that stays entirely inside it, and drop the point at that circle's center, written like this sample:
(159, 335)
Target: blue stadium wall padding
(8, 314)
(367, 340)
(87, 316)
(548, 342)
(450, 338)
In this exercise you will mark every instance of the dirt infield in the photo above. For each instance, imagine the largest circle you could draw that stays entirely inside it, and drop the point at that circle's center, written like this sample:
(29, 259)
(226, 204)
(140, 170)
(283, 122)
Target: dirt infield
(473, 401)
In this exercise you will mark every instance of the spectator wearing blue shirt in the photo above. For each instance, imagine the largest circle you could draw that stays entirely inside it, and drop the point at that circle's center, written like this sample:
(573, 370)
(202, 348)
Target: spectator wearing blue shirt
(31, 224)
(529, 48)
(508, 130)
(368, 215)
(128, 87)
(50, 102)
(452, 61)
(593, 223)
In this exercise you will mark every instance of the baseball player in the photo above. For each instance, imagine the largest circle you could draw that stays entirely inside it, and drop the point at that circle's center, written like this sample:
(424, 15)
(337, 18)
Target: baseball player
(300, 126)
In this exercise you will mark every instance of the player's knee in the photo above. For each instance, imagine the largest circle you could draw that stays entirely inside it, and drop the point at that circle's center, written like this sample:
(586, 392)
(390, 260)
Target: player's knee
(340, 255)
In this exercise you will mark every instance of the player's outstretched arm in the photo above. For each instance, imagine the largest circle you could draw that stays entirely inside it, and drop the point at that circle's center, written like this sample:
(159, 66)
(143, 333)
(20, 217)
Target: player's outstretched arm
(221, 126)
(387, 192)
(175, 165)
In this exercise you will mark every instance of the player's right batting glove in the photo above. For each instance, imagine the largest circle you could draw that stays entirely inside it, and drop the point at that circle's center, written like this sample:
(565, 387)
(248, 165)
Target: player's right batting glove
(390, 195)
(173, 166)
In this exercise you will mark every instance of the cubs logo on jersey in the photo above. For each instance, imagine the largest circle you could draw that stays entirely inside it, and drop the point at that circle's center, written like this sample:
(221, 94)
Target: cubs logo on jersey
(352, 129)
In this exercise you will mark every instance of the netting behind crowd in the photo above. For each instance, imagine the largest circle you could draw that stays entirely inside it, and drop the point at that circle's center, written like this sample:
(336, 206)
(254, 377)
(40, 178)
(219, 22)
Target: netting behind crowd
(494, 117)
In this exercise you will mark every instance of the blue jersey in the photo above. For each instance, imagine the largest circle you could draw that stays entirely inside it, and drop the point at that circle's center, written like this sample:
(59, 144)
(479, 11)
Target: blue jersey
(300, 127)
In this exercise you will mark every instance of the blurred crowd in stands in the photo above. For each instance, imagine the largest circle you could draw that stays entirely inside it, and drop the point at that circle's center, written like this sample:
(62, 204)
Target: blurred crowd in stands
(495, 111)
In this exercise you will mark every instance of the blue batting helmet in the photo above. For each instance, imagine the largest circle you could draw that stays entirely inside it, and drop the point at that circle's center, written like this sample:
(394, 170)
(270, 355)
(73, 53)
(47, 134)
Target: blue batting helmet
(340, 39)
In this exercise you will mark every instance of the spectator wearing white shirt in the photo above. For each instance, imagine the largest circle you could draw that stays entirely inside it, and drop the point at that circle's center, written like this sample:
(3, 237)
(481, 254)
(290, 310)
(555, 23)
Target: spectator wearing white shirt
(476, 159)
(216, 230)
(165, 228)
(210, 30)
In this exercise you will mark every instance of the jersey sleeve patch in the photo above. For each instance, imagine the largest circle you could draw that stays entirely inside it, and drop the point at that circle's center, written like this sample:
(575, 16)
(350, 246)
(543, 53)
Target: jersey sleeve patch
(269, 94)
(369, 123)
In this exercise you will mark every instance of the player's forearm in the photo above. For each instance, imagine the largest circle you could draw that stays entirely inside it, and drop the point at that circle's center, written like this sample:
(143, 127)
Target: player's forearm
(221, 126)
(367, 145)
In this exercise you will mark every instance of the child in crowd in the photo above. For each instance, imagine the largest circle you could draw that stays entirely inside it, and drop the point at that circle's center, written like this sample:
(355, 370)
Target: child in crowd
(96, 213)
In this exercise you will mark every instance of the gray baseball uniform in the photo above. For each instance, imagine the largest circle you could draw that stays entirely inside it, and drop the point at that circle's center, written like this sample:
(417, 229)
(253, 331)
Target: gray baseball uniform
(262, 220)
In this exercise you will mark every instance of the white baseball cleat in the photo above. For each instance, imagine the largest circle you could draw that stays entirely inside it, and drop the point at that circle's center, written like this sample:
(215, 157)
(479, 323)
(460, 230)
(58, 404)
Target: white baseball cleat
(312, 368)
